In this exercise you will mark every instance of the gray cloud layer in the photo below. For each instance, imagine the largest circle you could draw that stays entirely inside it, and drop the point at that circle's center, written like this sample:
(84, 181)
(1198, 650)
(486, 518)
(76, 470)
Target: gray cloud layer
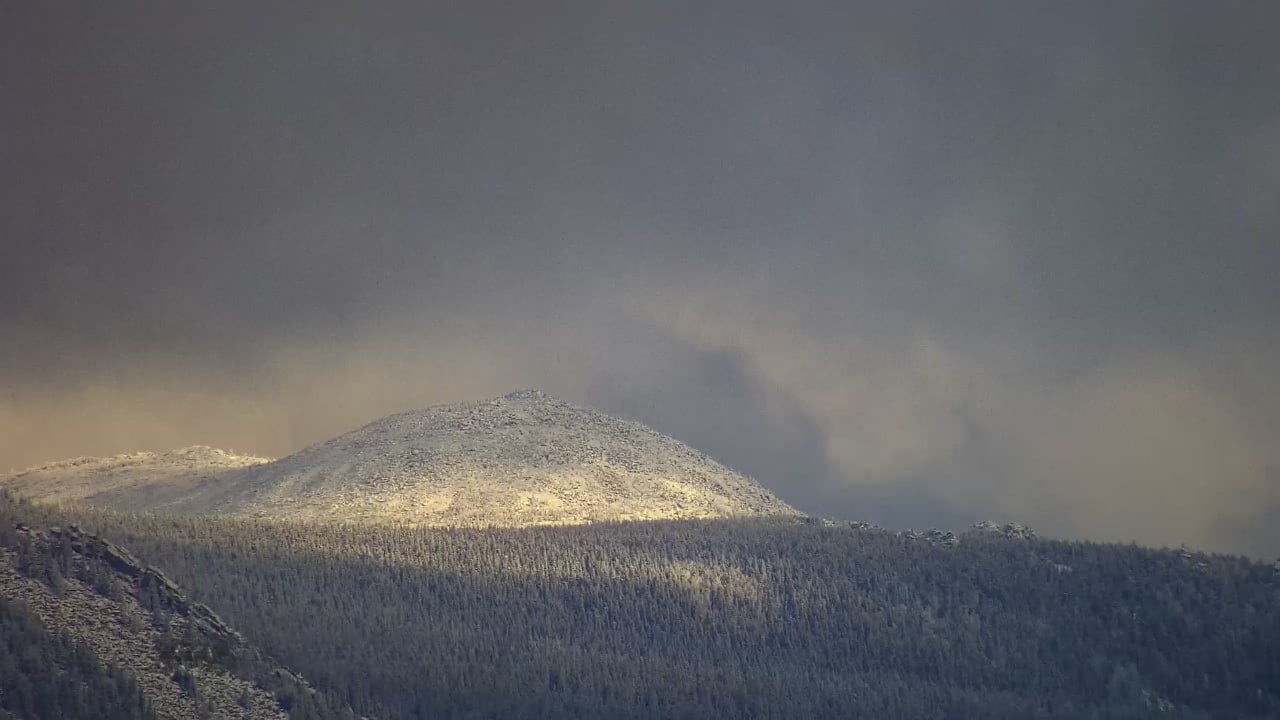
(904, 262)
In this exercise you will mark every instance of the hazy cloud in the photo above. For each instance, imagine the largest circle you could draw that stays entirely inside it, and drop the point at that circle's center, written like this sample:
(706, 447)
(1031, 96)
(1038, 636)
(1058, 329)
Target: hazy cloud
(904, 263)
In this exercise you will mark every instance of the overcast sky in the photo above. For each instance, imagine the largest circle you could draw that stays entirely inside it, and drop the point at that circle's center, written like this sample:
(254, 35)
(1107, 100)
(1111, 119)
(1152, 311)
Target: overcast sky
(918, 264)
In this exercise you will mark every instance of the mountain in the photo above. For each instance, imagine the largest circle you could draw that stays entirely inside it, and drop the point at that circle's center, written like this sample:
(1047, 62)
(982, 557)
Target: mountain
(751, 612)
(130, 481)
(522, 459)
(104, 635)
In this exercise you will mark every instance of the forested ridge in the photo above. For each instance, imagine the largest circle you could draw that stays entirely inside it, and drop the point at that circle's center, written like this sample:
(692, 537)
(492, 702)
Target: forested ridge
(87, 631)
(732, 618)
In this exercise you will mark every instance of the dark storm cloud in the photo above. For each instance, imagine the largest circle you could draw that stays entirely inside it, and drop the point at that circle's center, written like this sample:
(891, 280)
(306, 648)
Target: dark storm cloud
(905, 262)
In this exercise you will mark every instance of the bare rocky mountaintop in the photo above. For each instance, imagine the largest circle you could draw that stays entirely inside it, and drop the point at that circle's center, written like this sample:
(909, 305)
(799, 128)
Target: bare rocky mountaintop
(139, 480)
(522, 459)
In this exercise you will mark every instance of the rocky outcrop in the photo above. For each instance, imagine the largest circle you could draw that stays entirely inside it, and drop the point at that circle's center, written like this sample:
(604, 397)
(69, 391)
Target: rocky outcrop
(148, 580)
(1009, 530)
(943, 538)
(186, 660)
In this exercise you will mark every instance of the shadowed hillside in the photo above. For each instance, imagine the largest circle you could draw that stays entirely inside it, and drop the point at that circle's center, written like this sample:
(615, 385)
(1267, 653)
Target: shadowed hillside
(749, 618)
(124, 634)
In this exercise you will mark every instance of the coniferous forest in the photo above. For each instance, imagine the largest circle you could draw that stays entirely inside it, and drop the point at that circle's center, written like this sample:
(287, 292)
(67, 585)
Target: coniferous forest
(732, 618)
(47, 675)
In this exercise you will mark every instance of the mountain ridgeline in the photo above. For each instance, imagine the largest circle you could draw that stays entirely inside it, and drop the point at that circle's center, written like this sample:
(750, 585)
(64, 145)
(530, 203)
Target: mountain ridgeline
(130, 481)
(523, 557)
(522, 459)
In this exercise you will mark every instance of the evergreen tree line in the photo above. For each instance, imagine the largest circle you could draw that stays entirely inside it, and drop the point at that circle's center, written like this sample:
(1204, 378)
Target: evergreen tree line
(731, 618)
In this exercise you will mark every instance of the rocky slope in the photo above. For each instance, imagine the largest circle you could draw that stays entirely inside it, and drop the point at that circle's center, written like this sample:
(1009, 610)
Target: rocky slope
(522, 459)
(123, 482)
(187, 662)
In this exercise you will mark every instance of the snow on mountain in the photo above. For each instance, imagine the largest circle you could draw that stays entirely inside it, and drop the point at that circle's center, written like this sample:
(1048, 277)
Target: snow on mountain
(522, 459)
(136, 480)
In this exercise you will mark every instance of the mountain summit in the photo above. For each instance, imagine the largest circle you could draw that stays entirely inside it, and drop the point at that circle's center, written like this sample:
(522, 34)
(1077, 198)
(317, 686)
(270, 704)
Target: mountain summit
(525, 458)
